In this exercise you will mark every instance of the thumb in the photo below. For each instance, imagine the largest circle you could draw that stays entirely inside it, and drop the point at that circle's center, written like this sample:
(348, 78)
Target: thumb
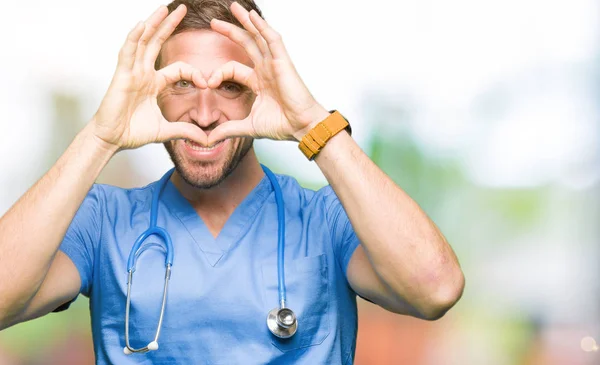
(232, 128)
(182, 130)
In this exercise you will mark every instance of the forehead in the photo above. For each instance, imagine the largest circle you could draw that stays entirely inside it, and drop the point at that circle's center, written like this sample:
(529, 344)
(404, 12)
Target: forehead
(204, 49)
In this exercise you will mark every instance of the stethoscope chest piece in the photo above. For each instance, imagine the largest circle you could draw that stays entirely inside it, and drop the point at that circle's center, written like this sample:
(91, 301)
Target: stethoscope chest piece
(282, 322)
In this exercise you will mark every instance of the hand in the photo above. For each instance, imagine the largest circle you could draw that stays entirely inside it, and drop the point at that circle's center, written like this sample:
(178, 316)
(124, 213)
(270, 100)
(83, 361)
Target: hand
(129, 115)
(283, 108)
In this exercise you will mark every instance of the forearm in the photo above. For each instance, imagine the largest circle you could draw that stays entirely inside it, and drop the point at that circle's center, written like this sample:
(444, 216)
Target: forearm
(406, 250)
(33, 228)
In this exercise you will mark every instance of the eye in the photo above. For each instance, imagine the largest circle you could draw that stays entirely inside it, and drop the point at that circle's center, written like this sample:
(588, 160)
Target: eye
(231, 88)
(183, 84)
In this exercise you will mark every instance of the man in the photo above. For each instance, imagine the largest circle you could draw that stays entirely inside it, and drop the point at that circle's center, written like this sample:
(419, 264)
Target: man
(205, 77)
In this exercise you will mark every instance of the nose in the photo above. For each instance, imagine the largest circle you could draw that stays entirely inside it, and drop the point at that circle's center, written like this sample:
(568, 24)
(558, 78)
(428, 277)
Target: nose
(206, 110)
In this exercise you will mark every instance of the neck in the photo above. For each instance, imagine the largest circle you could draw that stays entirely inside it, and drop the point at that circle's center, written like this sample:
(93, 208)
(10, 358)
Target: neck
(225, 197)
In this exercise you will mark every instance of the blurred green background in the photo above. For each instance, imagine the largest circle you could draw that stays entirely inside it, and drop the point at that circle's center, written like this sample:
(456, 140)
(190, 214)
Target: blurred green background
(486, 113)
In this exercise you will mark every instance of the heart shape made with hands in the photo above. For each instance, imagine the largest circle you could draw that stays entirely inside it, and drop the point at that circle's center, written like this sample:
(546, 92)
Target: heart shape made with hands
(215, 82)
(130, 116)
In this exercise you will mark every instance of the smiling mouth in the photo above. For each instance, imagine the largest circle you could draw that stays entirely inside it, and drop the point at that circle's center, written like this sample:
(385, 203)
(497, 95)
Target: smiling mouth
(197, 147)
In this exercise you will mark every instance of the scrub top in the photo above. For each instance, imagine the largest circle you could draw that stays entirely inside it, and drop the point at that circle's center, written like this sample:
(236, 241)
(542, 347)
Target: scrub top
(220, 289)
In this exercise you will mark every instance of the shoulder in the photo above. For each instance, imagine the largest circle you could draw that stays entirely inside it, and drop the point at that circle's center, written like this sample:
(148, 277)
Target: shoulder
(114, 199)
(306, 196)
(111, 191)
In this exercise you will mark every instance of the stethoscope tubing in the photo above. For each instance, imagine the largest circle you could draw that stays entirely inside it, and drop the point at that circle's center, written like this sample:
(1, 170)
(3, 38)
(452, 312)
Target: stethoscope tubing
(280, 236)
(153, 229)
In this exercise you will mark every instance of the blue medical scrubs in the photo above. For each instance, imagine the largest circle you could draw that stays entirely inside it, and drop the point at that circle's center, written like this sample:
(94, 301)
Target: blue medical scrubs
(221, 289)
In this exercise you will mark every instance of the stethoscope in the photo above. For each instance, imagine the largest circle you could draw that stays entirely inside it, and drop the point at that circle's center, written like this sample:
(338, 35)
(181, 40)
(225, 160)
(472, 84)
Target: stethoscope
(281, 320)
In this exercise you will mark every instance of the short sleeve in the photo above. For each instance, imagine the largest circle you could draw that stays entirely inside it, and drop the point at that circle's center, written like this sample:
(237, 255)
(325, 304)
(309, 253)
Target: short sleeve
(343, 237)
(83, 235)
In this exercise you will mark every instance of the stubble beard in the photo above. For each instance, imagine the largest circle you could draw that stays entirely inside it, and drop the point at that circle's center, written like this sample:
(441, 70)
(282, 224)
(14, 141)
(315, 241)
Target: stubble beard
(195, 173)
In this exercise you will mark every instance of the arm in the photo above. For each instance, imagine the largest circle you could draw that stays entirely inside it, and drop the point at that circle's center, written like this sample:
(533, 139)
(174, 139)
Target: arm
(403, 263)
(34, 277)
(32, 230)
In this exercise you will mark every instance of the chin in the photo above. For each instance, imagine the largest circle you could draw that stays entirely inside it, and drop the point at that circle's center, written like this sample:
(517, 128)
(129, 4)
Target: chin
(207, 174)
(203, 175)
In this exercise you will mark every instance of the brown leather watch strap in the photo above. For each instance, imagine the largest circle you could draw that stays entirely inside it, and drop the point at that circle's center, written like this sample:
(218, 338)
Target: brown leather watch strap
(312, 143)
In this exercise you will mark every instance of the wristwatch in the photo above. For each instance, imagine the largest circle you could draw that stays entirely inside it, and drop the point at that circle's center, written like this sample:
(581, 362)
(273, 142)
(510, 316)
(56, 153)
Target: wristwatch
(313, 141)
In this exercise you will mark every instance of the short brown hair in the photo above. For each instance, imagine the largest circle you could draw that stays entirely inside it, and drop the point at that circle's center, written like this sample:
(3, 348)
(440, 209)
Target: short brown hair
(201, 12)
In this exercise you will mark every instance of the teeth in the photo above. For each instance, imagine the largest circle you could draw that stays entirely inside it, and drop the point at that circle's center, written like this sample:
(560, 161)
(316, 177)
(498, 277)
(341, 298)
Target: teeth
(197, 147)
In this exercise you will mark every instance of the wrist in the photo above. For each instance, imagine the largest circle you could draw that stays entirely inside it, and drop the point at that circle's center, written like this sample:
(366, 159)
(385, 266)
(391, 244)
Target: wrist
(90, 136)
(317, 137)
(315, 115)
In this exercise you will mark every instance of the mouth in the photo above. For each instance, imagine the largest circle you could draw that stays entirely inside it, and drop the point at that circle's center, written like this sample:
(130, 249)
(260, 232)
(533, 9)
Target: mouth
(196, 147)
(204, 153)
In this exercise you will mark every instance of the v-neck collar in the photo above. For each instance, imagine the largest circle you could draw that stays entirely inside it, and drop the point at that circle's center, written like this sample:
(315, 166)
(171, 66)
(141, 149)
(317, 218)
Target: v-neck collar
(235, 226)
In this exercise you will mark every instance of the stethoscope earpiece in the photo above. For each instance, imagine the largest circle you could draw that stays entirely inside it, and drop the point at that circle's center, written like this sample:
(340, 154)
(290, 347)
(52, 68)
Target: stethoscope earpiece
(152, 346)
(282, 322)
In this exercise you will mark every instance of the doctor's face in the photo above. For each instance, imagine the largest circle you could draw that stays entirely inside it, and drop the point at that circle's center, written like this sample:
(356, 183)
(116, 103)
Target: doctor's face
(206, 51)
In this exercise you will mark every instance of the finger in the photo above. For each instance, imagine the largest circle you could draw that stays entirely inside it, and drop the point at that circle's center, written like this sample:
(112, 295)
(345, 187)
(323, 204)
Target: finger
(239, 36)
(242, 15)
(152, 24)
(164, 32)
(181, 71)
(270, 35)
(182, 130)
(127, 52)
(235, 71)
(232, 128)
